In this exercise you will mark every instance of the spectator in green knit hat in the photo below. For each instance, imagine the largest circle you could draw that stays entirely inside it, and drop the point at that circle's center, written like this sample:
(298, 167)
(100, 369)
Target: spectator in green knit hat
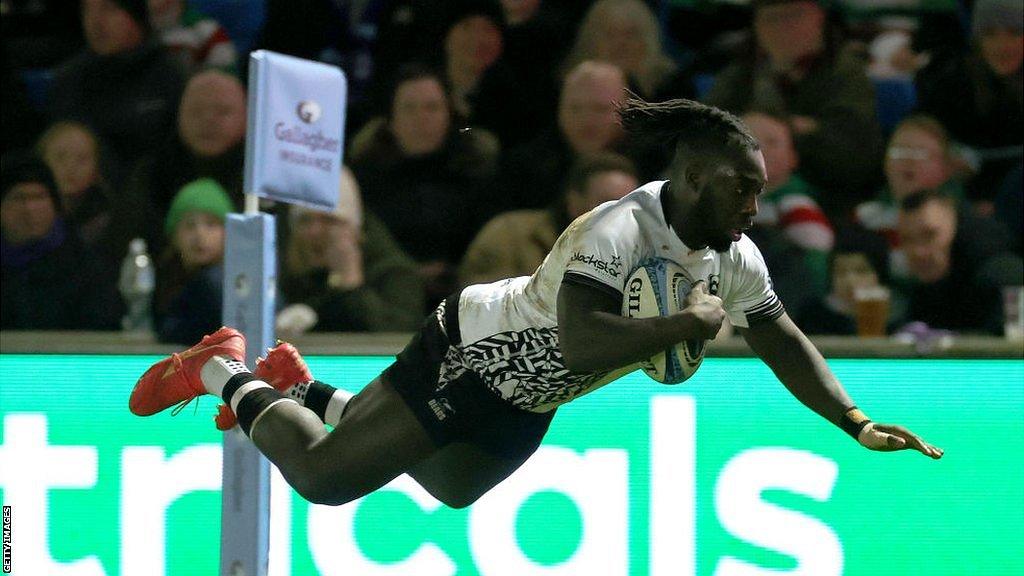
(190, 273)
(203, 196)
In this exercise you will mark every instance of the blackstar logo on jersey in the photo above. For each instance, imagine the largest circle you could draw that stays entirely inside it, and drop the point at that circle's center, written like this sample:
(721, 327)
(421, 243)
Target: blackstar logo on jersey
(610, 268)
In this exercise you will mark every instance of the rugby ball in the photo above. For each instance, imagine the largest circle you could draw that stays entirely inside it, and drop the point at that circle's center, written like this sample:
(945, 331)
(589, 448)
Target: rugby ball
(658, 287)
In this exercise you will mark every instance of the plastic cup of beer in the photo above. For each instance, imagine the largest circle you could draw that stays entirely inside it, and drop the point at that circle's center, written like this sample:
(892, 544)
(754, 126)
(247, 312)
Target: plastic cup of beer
(872, 310)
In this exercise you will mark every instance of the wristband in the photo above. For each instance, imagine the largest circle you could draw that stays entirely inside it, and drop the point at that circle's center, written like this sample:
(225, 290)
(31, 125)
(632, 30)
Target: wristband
(853, 421)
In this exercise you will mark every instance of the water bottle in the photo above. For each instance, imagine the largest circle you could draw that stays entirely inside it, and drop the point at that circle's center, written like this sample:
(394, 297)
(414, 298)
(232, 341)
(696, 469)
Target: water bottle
(137, 281)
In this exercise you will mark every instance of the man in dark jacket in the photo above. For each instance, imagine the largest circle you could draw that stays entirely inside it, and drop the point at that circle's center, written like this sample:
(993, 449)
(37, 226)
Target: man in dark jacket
(958, 264)
(797, 68)
(50, 280)
(123, 85)
(533, 173)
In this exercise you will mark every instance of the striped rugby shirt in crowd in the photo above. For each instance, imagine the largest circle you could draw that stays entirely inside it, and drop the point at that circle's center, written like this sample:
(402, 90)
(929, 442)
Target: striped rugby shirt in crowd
(509, 329)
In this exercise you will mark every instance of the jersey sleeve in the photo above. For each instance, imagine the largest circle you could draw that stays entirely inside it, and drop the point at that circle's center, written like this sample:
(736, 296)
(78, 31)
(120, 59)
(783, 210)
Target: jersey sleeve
(751, 298)
(603, 249)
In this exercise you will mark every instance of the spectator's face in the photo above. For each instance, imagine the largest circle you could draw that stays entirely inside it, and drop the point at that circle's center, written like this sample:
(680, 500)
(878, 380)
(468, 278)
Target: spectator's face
(851, 271)
(776, 141)
(587, 114)
(602, 187)
(621, 42)
(211, 118)
(519, 11)
(926, 237)
(315, 233)
(420, 116)
(27, 213)
(72, 156)
(474, 43)
(199, 238)
(1003, 50)
(108, 28)
(914, 161)
(790, 30)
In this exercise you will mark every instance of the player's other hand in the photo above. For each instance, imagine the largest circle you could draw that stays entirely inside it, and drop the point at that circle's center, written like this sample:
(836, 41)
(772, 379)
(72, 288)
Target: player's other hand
(706, 310)
(889, 438)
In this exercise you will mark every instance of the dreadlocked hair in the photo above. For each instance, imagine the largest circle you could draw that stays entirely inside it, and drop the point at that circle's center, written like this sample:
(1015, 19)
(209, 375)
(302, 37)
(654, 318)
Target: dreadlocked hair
(683, 123)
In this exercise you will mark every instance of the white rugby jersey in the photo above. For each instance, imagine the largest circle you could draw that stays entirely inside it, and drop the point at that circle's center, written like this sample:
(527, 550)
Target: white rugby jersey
(509, 329)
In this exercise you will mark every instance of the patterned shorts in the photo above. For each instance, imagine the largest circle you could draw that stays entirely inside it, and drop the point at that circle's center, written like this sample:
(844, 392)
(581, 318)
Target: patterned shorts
(463, 408)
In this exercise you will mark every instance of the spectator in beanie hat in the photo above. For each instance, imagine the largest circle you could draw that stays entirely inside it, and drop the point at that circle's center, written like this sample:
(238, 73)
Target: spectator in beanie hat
(50, 280)
(190, 272)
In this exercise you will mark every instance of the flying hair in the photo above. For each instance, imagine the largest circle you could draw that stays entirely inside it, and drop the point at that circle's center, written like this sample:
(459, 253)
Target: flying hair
(684, 124)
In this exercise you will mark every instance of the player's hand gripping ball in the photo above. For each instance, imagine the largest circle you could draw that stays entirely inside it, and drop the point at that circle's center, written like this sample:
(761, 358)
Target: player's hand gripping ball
(658, 287)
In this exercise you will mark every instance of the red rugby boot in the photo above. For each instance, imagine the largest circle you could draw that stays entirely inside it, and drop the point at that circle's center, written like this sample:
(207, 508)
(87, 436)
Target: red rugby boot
(176, 380)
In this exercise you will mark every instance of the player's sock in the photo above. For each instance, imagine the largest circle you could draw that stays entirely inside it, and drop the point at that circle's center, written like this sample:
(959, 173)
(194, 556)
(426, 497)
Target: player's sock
(326, 401)
(250, 399)
(216, 372)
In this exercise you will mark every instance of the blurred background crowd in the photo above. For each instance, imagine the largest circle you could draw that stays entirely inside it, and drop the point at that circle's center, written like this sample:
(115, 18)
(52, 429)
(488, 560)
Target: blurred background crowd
(477, 130)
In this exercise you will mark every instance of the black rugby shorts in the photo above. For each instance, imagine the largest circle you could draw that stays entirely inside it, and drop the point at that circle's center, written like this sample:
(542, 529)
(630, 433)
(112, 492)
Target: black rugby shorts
(463, 409)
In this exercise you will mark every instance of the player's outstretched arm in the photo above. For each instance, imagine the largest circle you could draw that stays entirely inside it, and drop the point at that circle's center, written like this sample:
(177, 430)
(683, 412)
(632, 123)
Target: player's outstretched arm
(804, 372)
(594, 335)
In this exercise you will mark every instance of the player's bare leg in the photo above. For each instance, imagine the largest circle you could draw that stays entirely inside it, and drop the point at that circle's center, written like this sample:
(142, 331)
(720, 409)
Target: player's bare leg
(457, 474)
(377, 439)
(460, 473)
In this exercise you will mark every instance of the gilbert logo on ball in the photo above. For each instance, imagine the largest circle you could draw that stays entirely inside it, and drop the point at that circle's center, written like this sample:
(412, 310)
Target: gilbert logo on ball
(658, 287)
(308, 111)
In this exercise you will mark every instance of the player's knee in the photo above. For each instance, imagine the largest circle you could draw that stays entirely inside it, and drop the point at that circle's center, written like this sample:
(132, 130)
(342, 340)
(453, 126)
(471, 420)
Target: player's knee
(328, 498)
(457, 499)
(460, 501)
(320, 492)
(319, 488)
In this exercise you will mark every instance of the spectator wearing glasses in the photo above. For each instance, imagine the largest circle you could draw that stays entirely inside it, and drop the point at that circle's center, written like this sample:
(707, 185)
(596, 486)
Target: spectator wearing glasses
(918, 158)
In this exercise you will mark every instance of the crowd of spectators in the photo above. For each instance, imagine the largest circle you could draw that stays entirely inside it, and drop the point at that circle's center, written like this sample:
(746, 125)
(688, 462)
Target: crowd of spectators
(478, 129)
